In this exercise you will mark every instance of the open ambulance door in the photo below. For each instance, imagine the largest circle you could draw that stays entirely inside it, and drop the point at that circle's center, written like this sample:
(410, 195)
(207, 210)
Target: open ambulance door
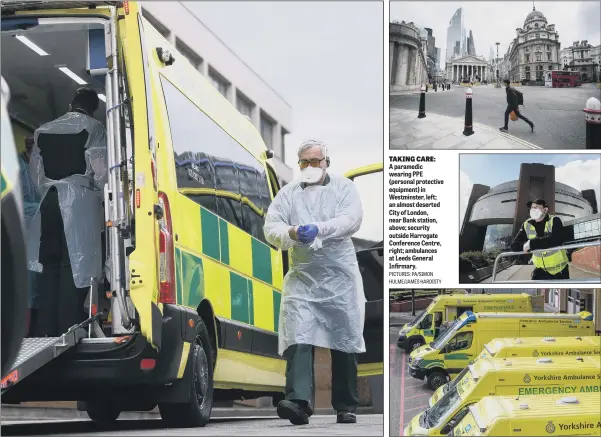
(143, 281)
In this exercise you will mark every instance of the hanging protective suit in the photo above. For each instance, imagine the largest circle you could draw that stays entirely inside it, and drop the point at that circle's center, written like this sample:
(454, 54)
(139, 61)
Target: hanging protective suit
(80, 197)
(323, 303)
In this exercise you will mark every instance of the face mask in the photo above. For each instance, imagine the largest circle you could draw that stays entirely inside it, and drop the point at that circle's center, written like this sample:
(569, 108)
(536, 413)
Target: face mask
(536, 214)
(311, 175)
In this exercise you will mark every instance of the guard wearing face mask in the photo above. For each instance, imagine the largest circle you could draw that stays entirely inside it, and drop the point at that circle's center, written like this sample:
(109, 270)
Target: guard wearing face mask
(323, 303)
(543, 231)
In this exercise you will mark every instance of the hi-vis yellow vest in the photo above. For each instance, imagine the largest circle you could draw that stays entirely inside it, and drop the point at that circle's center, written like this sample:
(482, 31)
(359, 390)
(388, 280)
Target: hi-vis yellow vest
(552, 261)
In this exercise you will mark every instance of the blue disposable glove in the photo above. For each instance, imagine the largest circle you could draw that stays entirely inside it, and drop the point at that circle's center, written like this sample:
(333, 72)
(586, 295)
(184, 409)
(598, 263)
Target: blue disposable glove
(307, 233)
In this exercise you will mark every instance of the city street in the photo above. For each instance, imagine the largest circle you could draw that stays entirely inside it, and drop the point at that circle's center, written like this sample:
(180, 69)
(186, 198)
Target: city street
(408, 396)
(556, 112)
(319, 425)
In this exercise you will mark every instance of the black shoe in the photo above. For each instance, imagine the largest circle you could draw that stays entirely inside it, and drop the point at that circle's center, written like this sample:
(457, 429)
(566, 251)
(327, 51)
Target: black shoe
(504, 129)
(346, 417)
(292, 411)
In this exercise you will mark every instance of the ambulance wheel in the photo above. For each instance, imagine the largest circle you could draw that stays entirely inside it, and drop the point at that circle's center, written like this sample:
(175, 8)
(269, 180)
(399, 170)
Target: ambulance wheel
(101, 413)
(415, 343)
(436, 379)
(197, 411)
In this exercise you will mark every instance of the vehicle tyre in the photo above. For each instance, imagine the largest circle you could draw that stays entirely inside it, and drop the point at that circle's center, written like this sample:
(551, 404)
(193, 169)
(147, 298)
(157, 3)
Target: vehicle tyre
(104, 414)
(415, 343)
(436, 379)
(196, 412)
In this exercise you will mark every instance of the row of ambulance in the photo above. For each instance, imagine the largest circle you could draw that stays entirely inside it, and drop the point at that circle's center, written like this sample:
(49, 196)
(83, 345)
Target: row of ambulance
(500, 366)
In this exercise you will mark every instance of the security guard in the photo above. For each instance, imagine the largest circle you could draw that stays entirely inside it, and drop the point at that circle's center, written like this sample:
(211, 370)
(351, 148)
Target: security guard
(543, 231)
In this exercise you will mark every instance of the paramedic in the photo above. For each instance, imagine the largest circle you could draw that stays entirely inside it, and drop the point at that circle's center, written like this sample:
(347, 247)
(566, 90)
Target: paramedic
(323, 303)
(69, 166)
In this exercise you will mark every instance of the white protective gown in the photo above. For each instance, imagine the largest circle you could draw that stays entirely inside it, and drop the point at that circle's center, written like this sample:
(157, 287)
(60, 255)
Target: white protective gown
(80, 199)
(323, 303)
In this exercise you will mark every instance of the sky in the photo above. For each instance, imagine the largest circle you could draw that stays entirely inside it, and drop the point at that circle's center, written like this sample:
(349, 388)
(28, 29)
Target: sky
(492, 22)
(580, 171)
(326, 59)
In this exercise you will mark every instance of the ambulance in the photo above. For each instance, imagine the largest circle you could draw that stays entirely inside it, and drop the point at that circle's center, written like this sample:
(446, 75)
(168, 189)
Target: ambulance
(530, 347)
(445, 309)
(566, 376)
(448, 355)
(187, 310)
(578, 415)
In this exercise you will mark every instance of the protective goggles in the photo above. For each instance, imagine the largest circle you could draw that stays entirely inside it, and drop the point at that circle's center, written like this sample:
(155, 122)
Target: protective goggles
(315, 162)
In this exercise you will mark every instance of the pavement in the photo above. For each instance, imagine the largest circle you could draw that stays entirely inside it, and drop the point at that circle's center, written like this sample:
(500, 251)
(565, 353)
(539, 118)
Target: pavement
(443, 132)
(408, 396)
(524, 273)
(372, 424)
(556, 112)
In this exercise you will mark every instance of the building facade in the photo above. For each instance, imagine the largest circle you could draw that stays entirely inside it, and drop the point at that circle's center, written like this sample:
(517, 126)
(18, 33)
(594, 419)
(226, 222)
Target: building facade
(456, 38)
(573, 301)
(408, 59)
(534, 51)
(245, 89)
(467, 68)
(583, 57)
(494, 215)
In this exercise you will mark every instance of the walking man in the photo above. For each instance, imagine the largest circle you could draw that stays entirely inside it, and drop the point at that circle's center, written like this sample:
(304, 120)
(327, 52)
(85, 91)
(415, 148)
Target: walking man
(543, 231)
(323, 303)
(512, 105)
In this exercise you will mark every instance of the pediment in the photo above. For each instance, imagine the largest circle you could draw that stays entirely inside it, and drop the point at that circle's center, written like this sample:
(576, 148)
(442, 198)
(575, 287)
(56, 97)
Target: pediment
(470, 59)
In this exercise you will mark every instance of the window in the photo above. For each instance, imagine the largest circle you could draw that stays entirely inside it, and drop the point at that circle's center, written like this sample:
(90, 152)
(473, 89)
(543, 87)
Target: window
(283, 132)
(548, 56)
(267, 127)
(537, 35)
(527, 58)
(207, 159)
(188, 53)
(461, 341)
(244, 105)
(219, 82)
(156, 24)
(538, 57)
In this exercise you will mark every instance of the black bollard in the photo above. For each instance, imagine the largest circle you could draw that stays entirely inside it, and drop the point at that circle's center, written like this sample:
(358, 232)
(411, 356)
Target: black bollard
(422, 103)
(435, 88)
(426, 86)
(448, 86)
(468, 130)
(593, 123)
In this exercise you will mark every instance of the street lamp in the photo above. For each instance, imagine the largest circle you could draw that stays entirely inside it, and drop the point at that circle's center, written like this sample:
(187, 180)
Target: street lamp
(497, 43)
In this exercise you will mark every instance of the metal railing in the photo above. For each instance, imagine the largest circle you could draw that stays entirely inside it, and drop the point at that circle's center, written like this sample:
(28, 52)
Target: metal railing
(569, 281)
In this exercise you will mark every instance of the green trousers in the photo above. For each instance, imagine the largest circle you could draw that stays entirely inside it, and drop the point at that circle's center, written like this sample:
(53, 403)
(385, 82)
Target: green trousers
(300, 377)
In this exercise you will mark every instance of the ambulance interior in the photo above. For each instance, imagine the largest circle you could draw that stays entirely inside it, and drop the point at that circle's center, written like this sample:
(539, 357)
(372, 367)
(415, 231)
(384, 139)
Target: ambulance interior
(43, 65)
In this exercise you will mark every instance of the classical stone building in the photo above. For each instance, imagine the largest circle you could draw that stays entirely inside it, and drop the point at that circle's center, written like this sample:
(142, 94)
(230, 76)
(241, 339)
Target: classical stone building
(583, 57)
(408, 63)
(467, 68)
(534, 51)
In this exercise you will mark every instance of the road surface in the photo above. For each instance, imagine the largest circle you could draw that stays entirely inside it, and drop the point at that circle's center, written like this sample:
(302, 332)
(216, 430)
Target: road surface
(408, 396)
(371, 424)
(556, 112)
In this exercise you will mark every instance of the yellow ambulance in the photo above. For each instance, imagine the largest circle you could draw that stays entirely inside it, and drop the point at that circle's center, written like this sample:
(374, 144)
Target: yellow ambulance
(530, 347)
(448, 355)
(187, 312)
(565, 376)
(553, 415)
(446, 308)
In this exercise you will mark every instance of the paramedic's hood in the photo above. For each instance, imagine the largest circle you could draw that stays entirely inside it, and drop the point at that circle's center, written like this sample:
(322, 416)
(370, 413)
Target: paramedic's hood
(323, 303)
(80, 198)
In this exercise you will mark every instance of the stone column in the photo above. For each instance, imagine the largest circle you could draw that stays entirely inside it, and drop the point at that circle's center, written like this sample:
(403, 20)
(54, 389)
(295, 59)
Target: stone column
(393, 49)
(410, 63)
(401, 75)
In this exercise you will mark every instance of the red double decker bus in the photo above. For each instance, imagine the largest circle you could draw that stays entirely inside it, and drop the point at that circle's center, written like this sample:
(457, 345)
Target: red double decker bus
(562, 79)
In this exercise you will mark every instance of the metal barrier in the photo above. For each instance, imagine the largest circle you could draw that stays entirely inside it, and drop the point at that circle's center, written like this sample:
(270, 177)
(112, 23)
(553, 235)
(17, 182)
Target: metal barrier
(569, 281)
